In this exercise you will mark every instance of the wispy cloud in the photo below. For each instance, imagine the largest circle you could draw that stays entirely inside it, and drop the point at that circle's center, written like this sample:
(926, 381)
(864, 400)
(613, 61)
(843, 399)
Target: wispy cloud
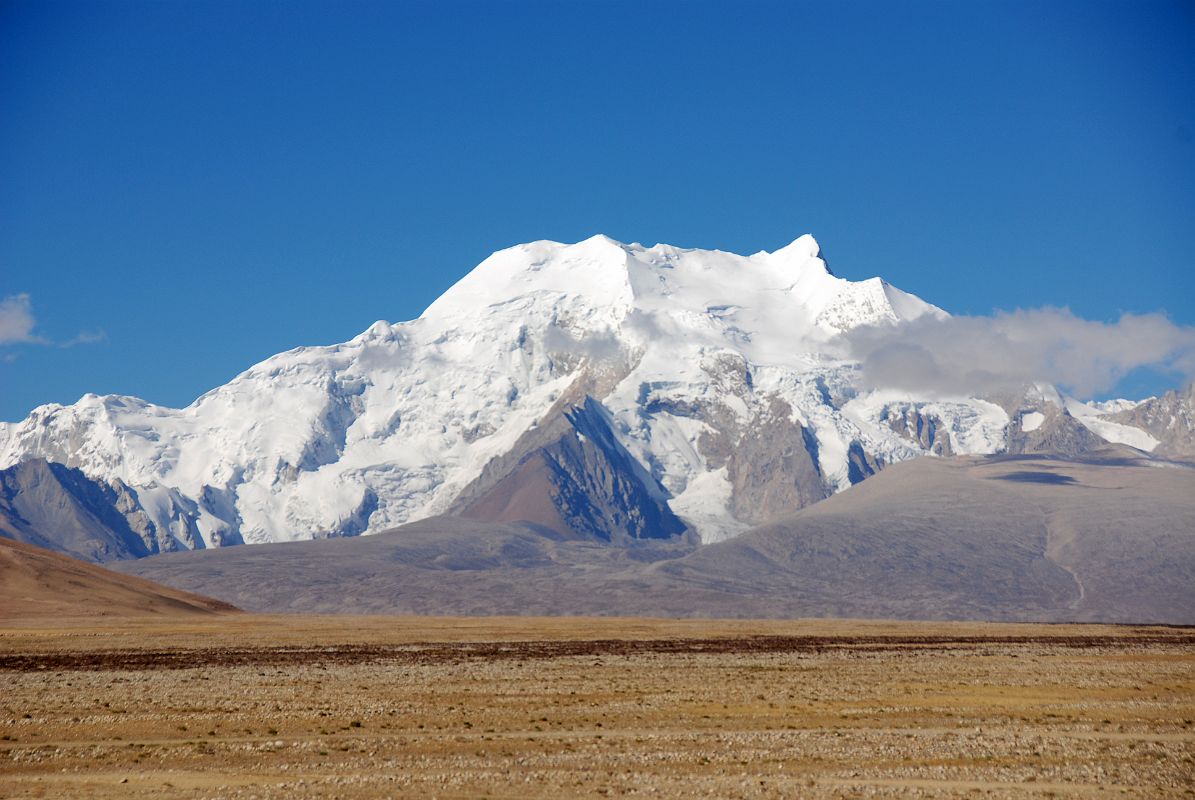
(17, 323)
(86, 337)
(981, 355)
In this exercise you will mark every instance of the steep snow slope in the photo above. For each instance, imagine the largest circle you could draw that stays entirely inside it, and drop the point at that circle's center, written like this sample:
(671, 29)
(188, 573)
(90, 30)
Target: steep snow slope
(1100, 418)
(691, 353)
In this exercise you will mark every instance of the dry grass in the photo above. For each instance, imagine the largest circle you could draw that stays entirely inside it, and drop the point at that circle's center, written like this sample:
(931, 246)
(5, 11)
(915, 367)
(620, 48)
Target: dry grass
(263, 707)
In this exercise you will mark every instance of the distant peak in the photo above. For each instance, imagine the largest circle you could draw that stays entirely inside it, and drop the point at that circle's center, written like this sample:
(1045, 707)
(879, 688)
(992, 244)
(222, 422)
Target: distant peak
(601, 241)
(379, 330)
(804, 245)
(601, 237)
(800, 250)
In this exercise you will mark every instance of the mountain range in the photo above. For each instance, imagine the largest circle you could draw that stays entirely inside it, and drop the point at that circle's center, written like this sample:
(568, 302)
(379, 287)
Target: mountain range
(696, 388)
(645, 400)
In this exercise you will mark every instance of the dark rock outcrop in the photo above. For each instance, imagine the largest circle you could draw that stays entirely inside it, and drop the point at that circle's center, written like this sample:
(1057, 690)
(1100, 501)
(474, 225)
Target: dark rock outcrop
(60, 508)
(1170, 419)
(1058, 433)
(574, 477)
(922, 429)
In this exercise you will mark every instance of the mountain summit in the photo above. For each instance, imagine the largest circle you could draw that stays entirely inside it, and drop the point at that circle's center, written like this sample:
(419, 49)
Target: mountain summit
(603, 390)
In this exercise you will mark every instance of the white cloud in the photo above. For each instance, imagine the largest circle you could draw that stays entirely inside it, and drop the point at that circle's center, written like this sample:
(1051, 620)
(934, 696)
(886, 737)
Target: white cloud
(16, 320)
(979, 355)
(17, 323)
(594, 345)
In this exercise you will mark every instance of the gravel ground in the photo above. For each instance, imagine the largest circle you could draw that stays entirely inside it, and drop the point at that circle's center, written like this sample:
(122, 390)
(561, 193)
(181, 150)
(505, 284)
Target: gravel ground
(476, 709)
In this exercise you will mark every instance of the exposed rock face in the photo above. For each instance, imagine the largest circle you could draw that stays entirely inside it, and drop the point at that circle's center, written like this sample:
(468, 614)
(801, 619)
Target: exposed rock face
(574, 477)
(124, 500)
(862, 464)
(773, 468)
(1039, 422)
(1170, 419)
(925, 430)
(600, 489)
(771, 460)
(1051, 430)
(60, 508)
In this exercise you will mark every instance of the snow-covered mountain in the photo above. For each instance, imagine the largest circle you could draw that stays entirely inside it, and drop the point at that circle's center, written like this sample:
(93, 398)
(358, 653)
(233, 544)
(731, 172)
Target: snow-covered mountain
(617, 390)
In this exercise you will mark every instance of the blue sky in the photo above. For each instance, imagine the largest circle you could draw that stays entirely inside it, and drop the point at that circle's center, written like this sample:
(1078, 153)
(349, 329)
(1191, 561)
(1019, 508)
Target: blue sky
(196, 186)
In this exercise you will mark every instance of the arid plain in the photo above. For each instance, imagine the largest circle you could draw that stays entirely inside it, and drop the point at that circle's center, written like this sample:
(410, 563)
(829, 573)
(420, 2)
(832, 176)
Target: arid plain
(252, 706)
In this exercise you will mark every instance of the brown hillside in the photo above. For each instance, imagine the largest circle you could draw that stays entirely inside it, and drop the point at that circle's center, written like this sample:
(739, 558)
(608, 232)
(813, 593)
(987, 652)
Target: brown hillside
(35, 582)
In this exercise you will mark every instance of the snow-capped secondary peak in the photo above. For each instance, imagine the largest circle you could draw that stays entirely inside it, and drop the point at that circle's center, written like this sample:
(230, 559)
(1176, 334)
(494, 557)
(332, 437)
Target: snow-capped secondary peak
(800, 252)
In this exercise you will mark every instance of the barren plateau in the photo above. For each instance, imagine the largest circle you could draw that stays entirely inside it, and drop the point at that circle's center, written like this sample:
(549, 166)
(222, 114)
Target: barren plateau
(362, 707)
